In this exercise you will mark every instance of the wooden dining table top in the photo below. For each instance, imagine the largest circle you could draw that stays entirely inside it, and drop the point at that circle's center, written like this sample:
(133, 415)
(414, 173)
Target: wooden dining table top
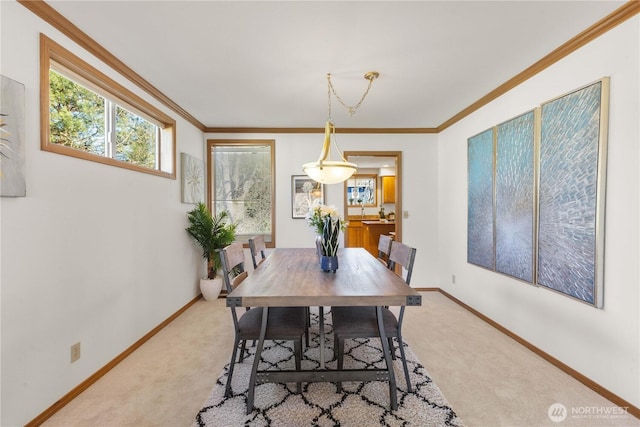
(293, 277)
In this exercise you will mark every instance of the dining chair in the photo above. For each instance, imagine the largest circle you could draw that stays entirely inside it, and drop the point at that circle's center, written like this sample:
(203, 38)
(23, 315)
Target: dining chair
(257, 248)
(361, 322)
(384, 247)
(283, 323)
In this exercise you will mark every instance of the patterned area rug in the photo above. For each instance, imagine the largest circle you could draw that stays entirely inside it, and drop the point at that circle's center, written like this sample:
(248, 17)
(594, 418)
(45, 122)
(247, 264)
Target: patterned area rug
(360, 403)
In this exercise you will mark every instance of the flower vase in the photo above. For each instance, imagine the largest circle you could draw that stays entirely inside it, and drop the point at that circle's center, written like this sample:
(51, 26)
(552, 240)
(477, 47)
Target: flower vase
(329, 263)
(318, 245)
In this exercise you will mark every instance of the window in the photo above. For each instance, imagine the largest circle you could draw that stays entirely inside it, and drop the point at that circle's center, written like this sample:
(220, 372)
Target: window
(87, 115)
(241, 181)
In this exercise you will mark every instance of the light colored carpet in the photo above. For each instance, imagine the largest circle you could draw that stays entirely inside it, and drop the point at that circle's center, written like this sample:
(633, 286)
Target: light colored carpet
(488, 378)
(319, 404)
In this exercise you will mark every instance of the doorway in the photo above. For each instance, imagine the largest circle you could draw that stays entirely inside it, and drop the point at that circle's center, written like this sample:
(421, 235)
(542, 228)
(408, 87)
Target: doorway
(385, 167)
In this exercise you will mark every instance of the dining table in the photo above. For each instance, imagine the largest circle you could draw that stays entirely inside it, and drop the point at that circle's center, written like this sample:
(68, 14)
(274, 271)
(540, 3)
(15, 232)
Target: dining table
(292, 277)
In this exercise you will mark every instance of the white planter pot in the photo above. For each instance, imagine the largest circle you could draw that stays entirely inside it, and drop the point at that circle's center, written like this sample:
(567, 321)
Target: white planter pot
(211, 288)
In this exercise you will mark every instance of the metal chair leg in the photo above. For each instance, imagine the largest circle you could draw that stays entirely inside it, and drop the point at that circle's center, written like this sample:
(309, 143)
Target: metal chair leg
(339, 345)
(227, 389)
(297, 348)
(243, 350)
(391, 349)
(404, 362)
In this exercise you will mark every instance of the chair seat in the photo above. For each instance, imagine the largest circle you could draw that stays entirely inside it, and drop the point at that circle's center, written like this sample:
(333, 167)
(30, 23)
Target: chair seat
(362, 322)
(284, 323)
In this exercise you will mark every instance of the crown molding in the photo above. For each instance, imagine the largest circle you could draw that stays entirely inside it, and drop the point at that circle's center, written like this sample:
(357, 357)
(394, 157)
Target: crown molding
(320, 130)
(58, 21)
(41, 9)
(617, 17)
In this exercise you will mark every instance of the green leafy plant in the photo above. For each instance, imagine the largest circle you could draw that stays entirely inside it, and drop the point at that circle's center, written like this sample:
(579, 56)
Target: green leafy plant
(212, 233)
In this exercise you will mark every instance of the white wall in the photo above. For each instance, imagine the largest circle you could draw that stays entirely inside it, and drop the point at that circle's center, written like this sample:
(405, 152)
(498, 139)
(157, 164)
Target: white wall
(602, 344)
(98, 254)
(94, 253)
(419, 182)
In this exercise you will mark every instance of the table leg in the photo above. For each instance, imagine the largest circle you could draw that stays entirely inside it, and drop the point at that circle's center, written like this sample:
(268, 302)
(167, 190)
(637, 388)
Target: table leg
(321, 328)
(393, 397)
(256, 360)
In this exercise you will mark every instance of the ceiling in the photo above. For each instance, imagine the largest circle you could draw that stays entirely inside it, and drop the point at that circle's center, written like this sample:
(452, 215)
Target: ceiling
(264, 63)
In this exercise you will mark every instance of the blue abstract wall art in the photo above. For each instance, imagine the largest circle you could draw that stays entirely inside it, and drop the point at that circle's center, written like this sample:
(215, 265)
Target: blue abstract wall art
(571, 194)
(536, 192)
(480, 245)
(514, 212)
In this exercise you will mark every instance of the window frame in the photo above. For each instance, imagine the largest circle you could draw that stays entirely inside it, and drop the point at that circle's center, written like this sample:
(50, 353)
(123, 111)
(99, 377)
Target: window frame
(54, 56)
(211, 143)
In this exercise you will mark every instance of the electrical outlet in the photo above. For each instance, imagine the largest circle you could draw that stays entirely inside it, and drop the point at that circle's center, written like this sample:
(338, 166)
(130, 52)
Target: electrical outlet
(75, 352)
(453, 279)
(405, 214)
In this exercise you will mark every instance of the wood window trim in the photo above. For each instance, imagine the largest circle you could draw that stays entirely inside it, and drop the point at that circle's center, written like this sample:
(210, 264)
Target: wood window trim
(246, 142)
(52, 51)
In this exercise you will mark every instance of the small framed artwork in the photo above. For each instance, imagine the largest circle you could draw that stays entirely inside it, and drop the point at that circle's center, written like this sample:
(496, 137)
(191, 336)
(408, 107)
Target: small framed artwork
(192, 179)
(12, 145)
(304, 193)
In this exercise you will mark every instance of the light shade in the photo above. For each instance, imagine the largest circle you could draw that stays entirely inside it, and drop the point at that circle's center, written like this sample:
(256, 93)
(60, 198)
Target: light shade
(329, 172)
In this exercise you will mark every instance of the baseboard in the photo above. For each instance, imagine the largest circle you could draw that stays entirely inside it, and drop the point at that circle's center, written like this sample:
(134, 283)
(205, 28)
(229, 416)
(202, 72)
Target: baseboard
(631, 409)
(48, 413)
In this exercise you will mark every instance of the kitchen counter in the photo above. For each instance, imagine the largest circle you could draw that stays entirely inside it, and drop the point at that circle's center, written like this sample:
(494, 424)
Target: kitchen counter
(372, 232)
(378, 222)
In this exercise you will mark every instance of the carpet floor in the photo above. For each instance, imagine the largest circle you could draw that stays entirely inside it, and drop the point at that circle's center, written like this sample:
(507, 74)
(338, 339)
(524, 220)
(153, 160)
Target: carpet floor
(319, 404)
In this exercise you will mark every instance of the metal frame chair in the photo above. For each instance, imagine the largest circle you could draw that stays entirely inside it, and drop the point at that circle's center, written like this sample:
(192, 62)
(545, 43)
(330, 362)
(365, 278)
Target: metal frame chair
(384, 248)
(284, 323)
(258, 248)
(361, 322)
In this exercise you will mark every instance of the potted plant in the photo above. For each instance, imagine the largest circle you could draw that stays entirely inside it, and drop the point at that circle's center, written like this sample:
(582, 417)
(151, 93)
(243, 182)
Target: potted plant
(212, 233)
(327, 224)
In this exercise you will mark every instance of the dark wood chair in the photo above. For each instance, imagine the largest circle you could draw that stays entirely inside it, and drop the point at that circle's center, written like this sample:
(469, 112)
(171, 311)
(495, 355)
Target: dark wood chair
(258, 248)
(361, 322)
(384, 248)
(284, 323)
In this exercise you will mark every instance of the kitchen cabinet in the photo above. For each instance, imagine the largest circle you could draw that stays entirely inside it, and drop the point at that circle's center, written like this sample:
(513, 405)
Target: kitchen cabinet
(355, 234)
(371, 234)
(388, 189)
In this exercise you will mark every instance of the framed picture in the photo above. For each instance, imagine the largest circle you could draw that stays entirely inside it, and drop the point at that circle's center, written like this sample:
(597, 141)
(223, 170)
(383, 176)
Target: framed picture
(536, 195)
(192, 179)
(304, 193)
(514, 197)
(571, 196)
(12, 150)
(480, 232)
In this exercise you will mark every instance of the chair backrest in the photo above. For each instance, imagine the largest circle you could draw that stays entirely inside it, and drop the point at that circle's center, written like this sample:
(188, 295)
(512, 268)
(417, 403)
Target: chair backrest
(384, 248)
(233, 272)
(404, 256)
(258, 248)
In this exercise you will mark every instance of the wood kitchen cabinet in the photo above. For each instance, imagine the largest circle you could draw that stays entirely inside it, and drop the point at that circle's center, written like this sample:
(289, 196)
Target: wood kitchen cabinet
(355, 234)
(388, 189)
(372, 230)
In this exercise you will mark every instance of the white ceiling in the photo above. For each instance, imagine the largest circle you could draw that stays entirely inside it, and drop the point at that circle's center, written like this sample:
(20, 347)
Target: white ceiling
(264, 63)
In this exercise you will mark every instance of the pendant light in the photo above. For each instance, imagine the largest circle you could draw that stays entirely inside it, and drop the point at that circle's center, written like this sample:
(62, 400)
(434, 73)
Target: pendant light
(325, 170)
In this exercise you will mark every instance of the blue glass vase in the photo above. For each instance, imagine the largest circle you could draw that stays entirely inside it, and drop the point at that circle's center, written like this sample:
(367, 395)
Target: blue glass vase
(329, 263)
